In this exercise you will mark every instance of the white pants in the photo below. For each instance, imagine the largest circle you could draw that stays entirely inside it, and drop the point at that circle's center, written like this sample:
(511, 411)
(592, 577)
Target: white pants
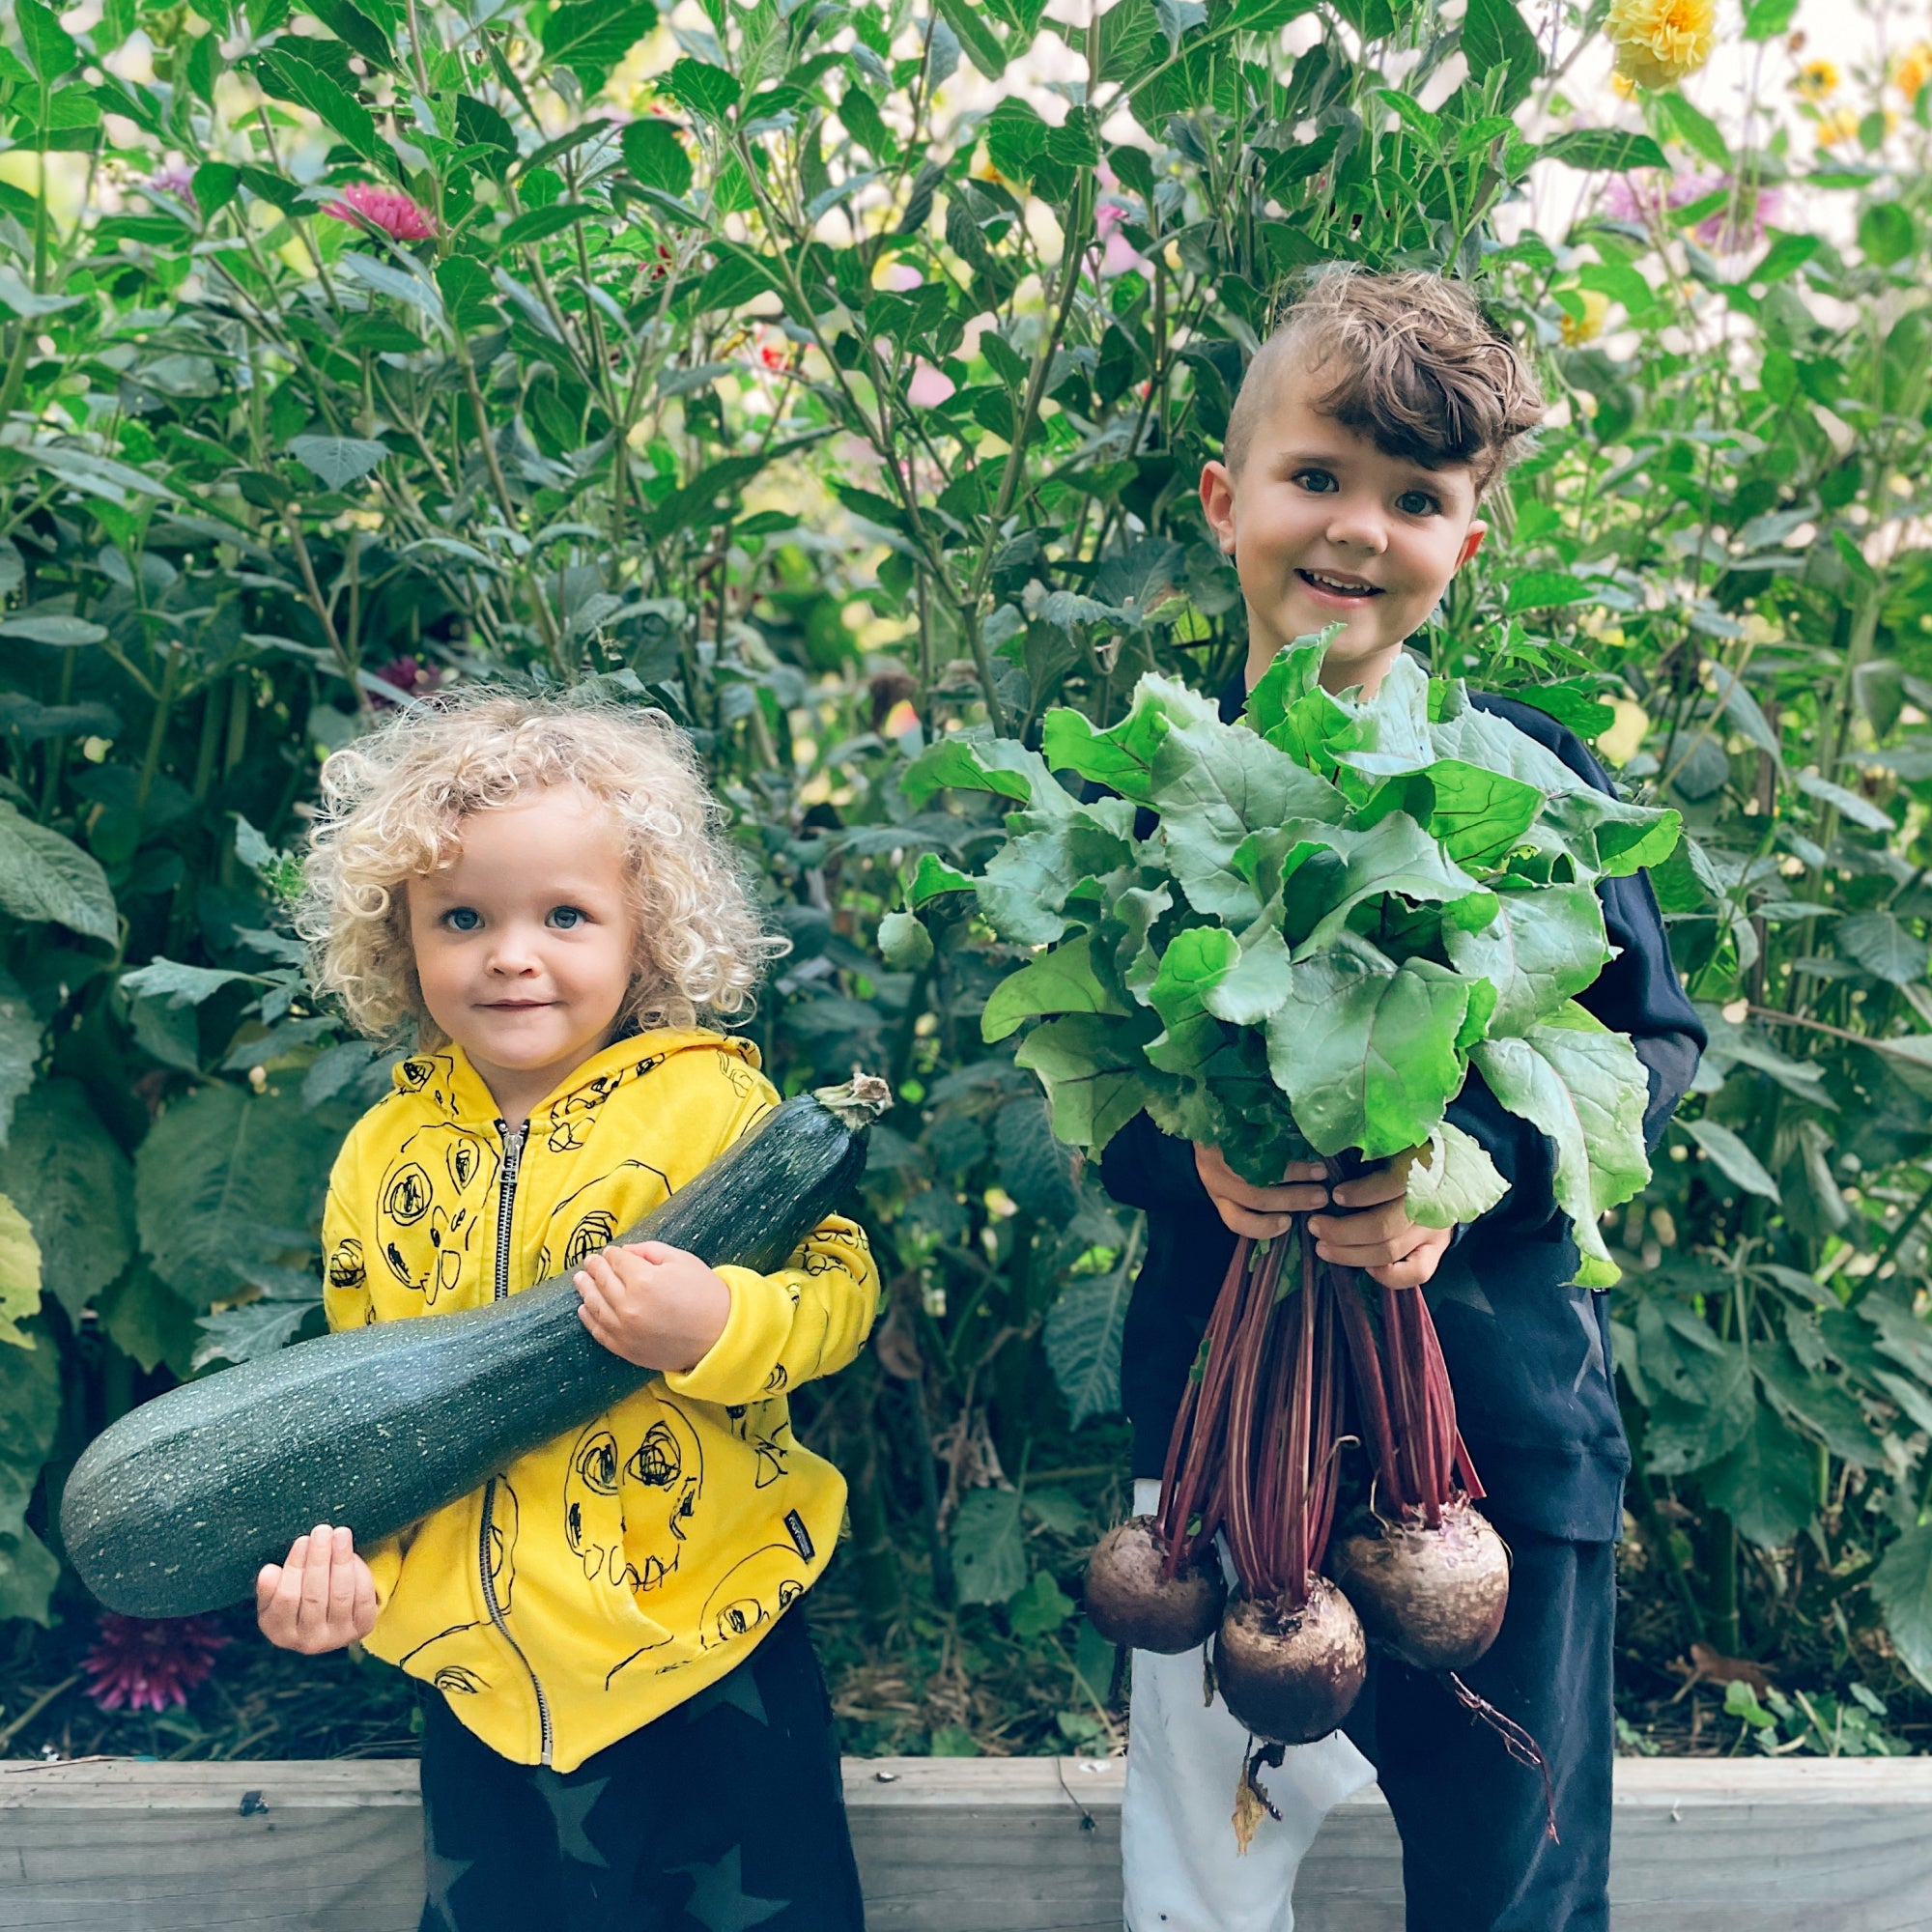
(1178, 1854)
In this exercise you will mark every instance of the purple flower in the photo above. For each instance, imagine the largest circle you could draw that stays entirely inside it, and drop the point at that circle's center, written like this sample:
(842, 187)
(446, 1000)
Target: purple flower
(149, 1664)
(404, 673)
(174, 179)
(1734, 229)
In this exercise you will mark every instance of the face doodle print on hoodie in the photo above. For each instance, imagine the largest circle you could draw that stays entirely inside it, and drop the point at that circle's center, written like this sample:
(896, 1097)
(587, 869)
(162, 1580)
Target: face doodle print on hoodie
(430, 1207)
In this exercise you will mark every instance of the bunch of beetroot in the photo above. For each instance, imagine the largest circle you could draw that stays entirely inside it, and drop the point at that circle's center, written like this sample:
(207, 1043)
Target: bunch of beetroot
(1254, 1459)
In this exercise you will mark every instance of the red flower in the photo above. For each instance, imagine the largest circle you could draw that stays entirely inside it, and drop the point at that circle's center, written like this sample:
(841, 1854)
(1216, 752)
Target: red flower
(149, 1664)
(389, 208)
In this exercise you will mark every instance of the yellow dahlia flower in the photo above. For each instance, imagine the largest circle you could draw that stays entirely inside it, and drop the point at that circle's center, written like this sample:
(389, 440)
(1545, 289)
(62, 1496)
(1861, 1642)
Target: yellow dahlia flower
(1586, 327)
(1658, 42)
(1840, 124)
(1912, 68)
(1817, 80)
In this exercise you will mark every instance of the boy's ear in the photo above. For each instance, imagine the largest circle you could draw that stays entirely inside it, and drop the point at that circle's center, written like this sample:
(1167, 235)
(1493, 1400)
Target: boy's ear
(1471, 543)
(1218, 504)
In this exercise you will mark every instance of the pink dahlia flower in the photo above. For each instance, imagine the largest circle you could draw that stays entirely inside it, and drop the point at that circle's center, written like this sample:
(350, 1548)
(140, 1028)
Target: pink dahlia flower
(929, 386)
(406, 674)
(389, 208)
(149, 1664)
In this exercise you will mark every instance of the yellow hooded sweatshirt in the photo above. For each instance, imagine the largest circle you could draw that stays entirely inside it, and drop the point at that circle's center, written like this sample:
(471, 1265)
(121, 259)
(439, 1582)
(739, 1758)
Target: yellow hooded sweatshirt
(598, 1582)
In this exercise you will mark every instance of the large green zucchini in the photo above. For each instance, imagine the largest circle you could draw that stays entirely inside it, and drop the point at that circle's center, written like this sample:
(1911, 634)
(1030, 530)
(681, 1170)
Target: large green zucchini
(176, 1507)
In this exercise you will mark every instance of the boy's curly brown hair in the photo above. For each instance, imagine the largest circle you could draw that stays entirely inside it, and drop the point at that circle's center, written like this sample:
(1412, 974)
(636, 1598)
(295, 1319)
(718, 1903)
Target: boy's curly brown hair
(1409, 360)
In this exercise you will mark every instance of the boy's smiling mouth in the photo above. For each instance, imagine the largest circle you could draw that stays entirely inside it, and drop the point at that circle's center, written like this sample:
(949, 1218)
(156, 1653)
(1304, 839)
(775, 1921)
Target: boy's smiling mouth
(1330, 585)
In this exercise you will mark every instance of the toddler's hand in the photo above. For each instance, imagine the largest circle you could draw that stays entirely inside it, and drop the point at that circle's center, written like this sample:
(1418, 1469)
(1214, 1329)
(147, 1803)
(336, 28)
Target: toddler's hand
(653, 1304)
(1377, 1233)
(321, 1598)
(1261, 1211)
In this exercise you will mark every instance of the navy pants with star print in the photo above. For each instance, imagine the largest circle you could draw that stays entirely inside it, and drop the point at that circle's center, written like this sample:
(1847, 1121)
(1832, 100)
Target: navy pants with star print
(725, 1814)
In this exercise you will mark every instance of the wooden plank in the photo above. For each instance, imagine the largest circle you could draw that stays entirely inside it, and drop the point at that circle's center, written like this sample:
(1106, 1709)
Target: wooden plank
(945, 1845)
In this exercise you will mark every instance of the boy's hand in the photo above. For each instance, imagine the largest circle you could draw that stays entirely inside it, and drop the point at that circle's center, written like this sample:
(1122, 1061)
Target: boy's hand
(321, 1598)
(653, 1304)
(1376, 1234)
(1261, 1211)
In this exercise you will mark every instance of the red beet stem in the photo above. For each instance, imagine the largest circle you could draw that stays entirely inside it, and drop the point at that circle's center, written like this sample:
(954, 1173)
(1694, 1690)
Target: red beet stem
(1367, 1365)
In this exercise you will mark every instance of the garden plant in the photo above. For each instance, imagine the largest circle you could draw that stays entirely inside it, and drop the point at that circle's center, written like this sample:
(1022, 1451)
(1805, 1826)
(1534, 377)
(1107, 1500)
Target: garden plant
(837, 378)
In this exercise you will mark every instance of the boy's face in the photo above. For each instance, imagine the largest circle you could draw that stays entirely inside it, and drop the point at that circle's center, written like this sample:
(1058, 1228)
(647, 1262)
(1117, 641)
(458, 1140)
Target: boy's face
(524, 943)
(1323, 526)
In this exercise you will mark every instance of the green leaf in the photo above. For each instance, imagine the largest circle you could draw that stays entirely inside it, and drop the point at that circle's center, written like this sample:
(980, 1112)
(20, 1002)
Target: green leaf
(1901, 1586)
(1478, 816)
(1060, 981)
(19, 1273)
(20, 1044)
(226, 1181)
(49, 48)
(73, 1184)
(469, 293)
(1887, 233)
(250, 1331)
(970, 762)
(537, 223)
(656, 157)
(54, 628)
(1039, 1609)
(30, 1405)
(705, 89)
(45, 877)
(1395, 856)
(1052, 856)
(1545, 945)
(1883, 947)
(989, 1562)
(1732, 1158)
(904, 944)
(1604, 151)
(1366, 1051)
(1095, 1071)
(1450, 1180)
(982, 45)
(590, 37)
(1767, 1483)
(290, 76)
(932, 878)
(1033, 1168)
(1585, 1087)
(353, 28)
(180, 985)
(1548, 590)
(1084, 1331)
(1767, 19)
(1494, 35)
(1695, 128)
(149, 1322)
(337, 461)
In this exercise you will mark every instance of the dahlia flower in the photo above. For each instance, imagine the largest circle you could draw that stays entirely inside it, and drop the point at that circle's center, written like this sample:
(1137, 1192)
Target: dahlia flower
(1586, 327)
(929, 386)
(1912, 69)
(1659, 42)
(389, 208)
(1816, 80)
(149, 1664)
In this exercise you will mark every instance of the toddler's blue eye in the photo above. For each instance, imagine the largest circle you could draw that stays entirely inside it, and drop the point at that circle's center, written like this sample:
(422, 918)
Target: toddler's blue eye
(463, 918)
(565, 917)
(1318, 482)
(1416, 503)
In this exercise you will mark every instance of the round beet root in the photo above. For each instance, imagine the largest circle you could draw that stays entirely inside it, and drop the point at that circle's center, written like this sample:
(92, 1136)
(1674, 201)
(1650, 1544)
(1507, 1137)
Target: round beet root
(1291, 1675)
(1434, 1598)
(1129, 1602)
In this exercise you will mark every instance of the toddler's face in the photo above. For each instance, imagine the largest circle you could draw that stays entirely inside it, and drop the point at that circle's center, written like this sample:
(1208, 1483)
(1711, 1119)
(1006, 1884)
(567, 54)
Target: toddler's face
(1324, 526)
(525, 945)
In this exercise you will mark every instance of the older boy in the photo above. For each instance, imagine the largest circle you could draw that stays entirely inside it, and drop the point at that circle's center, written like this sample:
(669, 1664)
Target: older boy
(1365, 436)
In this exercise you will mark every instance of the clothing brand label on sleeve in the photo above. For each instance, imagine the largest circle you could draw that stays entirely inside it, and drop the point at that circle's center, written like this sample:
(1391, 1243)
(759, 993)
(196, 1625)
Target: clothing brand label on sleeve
(801, 1536)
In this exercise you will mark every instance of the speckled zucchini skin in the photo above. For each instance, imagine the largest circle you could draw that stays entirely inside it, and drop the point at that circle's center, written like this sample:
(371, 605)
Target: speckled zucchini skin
(174, 1509)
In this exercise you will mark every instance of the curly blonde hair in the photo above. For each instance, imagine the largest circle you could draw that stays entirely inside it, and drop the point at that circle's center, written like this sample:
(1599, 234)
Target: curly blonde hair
(391, 805)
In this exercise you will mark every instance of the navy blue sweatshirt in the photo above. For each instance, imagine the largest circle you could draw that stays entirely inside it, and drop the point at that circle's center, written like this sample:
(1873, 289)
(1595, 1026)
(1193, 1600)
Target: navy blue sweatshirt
(1528, 1351)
